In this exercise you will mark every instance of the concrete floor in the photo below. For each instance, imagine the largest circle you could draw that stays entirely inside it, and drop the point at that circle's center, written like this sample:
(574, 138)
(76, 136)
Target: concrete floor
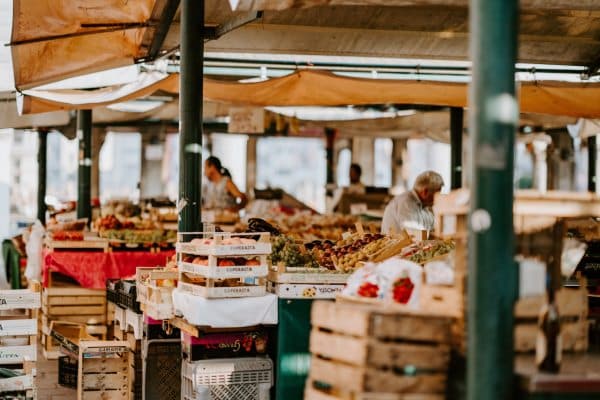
(47, 380)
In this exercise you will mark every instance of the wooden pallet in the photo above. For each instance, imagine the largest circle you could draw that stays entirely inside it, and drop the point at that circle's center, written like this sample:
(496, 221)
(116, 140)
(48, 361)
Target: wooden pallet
(357, 351)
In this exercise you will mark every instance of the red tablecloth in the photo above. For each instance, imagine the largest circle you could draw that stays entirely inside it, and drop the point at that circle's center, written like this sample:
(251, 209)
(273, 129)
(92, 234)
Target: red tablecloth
(92, 269)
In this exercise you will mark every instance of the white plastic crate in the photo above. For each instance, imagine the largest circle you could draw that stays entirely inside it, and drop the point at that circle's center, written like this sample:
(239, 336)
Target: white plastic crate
(225, 379)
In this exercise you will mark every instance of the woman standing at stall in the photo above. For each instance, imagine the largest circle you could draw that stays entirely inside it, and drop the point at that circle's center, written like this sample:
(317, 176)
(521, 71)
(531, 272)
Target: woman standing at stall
(219, 192)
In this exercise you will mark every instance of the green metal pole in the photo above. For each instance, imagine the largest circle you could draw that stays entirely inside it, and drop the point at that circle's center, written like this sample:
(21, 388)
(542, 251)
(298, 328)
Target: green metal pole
(41, 194)
(492, 275)
(84, 174)
(456, 146)
(592, 154)
(190, 135)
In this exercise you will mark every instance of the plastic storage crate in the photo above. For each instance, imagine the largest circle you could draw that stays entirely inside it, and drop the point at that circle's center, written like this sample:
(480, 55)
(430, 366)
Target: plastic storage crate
(128, 296)
(225, 379)
(67, 372)
(161, 369)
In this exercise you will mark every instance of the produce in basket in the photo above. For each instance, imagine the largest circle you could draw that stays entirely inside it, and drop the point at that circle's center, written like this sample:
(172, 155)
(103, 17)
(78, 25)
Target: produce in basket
(284, 250)
(425, 251)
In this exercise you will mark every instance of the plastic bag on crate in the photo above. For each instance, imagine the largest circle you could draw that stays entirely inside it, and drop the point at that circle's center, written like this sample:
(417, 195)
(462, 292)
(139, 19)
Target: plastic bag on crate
(394, 280)
(33, 271)
(440, 271)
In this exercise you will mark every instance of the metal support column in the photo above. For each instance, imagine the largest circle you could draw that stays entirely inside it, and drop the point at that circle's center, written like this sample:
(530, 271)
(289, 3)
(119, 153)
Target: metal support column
(456, 151)
(84, 174)
(592, 168)
(190, 147)
(329, 152)
(493, 277)
(41, 194)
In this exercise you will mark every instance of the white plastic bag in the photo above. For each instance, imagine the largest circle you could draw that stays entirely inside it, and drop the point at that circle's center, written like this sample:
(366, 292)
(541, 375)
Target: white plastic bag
(439, 272)
(381, 281)
(573, 252)
(396, 272)
(33, 272)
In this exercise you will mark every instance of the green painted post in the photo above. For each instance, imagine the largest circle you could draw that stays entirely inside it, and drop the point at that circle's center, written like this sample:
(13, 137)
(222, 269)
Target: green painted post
(456, 146)
(41, 193)
(190, 100)
(493, 277)
(84, 173)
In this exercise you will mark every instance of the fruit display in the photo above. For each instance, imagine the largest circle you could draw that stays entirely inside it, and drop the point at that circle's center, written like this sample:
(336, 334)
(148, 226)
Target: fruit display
(77, 225)
(133, 231)
(111, 222)
(307, 227)
(285, 250)
(423, 252)
(224, 261)
(230, 241)
(348, 253)
(394, 280)
(67, 235)
(402, 290)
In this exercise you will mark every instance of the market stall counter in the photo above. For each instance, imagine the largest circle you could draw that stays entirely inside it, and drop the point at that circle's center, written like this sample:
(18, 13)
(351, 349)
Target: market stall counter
(92, 269)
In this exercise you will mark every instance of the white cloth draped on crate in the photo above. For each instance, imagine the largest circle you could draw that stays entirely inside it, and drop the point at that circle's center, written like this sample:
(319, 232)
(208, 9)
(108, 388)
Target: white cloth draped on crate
(226, 313)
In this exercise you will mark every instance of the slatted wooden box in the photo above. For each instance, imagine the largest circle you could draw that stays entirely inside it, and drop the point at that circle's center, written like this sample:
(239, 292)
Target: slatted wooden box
(18, 338)
(366, 352)
(572, 306)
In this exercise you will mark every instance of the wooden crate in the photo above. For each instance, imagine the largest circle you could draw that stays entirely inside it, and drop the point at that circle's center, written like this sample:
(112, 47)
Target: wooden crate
(573, 309)
(358, 349)
(281, 274)
(98, 244)
(19, 383)
(70, 304)
(155, 300)
(217, 248)
(18, 337)
(208, 288)
(104, 371)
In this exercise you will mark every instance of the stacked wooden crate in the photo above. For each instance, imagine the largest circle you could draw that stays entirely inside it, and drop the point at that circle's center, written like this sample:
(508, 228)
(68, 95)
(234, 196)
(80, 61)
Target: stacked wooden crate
(126, 331)
(572, 304)
(367, 352)
(222, 270)
(18, 341)
(102, 366)
(153, 293)
(70, 304)
(533, 212)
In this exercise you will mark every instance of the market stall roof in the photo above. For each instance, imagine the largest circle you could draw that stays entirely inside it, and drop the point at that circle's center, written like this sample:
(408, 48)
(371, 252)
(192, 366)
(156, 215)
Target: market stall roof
(320, 88)
(51, 43)
(551, 31)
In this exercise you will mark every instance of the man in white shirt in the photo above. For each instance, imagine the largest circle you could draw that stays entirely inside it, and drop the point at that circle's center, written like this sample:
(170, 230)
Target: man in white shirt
(412, 209)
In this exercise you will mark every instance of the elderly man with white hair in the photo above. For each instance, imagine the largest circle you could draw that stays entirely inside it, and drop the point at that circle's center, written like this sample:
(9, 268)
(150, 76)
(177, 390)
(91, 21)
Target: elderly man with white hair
(412, 209)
